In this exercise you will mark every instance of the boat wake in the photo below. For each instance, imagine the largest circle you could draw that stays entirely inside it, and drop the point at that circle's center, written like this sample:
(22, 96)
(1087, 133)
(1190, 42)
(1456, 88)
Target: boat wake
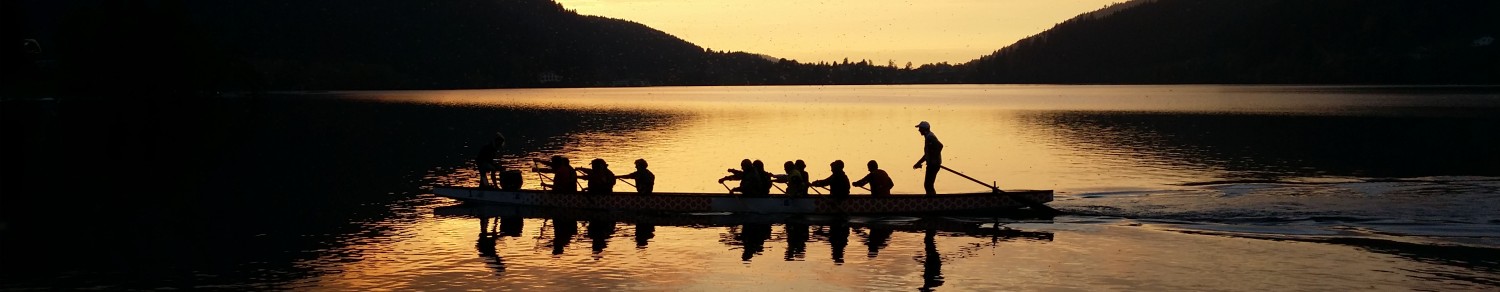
(1452, 210)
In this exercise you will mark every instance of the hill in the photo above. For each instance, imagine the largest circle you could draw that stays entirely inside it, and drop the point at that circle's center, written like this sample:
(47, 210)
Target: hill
(1260, 41)
(233, 45)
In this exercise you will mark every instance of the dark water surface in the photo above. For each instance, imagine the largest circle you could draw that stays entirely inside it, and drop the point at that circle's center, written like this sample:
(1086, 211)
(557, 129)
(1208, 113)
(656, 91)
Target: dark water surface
(1173, 187)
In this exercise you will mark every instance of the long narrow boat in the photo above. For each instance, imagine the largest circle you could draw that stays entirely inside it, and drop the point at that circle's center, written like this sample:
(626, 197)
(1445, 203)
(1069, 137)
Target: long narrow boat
(961, 226)
(704, 202)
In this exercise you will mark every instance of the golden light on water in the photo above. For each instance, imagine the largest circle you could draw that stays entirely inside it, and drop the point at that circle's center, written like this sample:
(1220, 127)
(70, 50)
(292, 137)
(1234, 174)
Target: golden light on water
(998, 134)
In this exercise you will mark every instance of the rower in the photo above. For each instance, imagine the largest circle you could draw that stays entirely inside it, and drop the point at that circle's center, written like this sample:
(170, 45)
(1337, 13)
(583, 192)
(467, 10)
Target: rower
(564, 177)
(796, 182)
(601, 180)
(764, 178)
(880, 182)
(645, 181)
(837, 183)
(748, 177)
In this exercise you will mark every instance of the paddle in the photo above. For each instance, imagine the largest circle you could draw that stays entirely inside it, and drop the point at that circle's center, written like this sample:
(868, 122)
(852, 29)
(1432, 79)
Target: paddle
(1029, 203)
(625, 181)
(540, 179)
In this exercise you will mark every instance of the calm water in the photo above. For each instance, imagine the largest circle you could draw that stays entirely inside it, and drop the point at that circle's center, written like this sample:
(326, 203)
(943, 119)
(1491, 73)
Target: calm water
(1173, 188)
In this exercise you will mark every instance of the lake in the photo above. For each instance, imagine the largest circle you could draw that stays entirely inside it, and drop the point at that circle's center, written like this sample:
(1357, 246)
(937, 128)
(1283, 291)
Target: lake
(1188, 187)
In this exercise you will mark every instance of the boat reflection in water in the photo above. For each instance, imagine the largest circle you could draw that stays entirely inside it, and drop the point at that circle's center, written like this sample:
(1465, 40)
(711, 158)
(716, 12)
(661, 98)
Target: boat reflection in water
(749, 234)
(490, 231)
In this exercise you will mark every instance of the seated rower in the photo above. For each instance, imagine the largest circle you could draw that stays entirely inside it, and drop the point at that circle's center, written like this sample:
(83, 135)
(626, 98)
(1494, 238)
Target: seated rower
(764, 188)
(796, 182)
(749, 179)
(645, 181)
(601, 180)
(880, 182)
(837, 183)
(564, 177)
(807, 176)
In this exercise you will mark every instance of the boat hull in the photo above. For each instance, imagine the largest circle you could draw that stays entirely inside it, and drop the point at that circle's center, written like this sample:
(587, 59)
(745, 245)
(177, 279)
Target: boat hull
(696, 202)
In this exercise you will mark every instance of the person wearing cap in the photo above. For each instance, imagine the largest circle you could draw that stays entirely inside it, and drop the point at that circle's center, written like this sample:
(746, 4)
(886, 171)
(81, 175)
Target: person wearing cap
(879, 181)
(932, 153)
(601, 180)
(645, 181)
(489, 169)
(564, 177)
(837, 183)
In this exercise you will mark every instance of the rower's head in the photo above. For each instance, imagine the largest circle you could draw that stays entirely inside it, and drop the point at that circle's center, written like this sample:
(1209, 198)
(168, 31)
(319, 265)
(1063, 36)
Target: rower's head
(873, 165)
(801, 165)
(837, 165)
(598, 163)
(789, 166)
(640, 163)
(924, 127)
(745, 164)
(559, 160)
(760, 166)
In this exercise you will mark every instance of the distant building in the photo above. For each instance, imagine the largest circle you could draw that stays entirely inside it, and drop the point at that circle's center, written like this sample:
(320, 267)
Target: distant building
(548, 77)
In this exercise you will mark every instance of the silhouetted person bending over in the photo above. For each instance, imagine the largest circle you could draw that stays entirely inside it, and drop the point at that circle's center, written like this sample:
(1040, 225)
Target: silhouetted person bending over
(489, 169)
(564, 177)
(837, 183)
(645, 181)
(932, 153)
(601, 180)
(880, 182)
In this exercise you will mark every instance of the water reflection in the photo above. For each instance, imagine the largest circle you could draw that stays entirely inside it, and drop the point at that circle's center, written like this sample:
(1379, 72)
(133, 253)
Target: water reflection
(932, 262)
(1271, 147)
(838, 238)
(876, 239)
(488, 236)
(796, 241)
(599, 232)
(562, 234)
(752, 239)
(643, 234)
(747, 236)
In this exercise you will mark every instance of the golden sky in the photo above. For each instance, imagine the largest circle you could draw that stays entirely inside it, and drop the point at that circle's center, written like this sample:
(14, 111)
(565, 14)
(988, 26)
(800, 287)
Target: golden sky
(920, 32)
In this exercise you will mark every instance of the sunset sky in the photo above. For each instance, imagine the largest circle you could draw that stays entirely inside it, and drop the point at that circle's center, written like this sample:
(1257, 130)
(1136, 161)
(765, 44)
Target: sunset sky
(920, 32)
